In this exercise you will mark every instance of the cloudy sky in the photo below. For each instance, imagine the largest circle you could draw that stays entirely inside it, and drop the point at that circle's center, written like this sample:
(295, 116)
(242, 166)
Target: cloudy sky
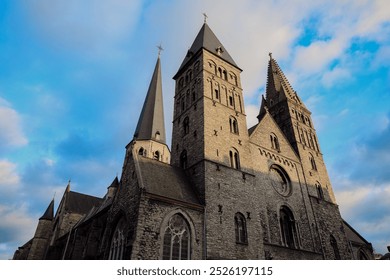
(73, 76)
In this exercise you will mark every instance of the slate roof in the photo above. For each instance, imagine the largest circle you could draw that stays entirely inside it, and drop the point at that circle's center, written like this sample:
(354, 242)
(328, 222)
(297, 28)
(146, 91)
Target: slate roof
(353, 235)
(151, 119)
(81, 203)
(165, 180)
(49, 213)
(206, 39)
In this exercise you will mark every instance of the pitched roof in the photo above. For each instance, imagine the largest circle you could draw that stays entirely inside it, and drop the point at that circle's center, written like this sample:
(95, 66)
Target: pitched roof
(81, 203)
(49, 213)
(165, 180)
(278, 83)
(206, 39)
(151, 120)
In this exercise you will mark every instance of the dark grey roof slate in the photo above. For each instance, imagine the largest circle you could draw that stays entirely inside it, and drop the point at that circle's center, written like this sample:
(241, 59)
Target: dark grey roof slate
(81, 203)
(49, 213)
(151, 119)
(206, 39)
(165, 180)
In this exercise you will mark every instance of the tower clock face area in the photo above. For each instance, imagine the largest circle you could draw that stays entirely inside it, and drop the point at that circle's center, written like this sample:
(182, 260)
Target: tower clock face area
(280, 182)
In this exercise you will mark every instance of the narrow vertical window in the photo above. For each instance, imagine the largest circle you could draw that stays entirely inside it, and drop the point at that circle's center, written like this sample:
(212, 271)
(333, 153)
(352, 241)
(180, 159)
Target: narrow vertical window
(183, 159)
(177, 239)
(234, 159)
(274, 142)
(320, 193)
(118, 242)
(240, 229)
(333, 244)
(186, 126)
(288, 228)
(233, 125)
(312, 162)
(157, 155)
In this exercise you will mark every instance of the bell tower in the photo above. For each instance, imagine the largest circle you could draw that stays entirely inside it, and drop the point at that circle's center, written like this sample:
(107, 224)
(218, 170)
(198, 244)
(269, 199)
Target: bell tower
(209, 122)
(295, 121)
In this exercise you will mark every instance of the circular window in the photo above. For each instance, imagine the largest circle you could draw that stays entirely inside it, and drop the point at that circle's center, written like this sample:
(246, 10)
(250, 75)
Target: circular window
(280, 181)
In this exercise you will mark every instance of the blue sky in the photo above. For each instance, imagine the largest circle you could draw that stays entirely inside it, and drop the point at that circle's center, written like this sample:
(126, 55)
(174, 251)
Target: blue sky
(74, 74)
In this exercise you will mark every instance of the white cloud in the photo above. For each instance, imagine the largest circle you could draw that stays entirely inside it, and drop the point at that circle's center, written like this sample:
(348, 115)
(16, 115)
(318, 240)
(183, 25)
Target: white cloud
(16, 224)
(10, 126)
(8, 175)
(251, 114)
(334, 76)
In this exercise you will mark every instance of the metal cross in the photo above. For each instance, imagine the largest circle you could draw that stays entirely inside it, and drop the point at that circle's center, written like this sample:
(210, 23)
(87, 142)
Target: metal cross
(205, 17)
(160, 49)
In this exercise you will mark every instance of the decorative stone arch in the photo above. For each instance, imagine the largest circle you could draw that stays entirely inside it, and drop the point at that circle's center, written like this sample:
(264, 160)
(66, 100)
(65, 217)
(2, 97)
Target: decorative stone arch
(190, 224)
(119, 237)
(213, 66)
(280, 180)
(362, 255)
(289, 232)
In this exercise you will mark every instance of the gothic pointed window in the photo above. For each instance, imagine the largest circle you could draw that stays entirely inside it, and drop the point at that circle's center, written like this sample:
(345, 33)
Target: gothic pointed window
(177, 239)
(274, 142)
(313, 162)
(183, 159)
(118, 242)
(142, 151)
(234, 158)
(233, 125)
(240, 229)
(333, 244)
(320, 192)
(186, 126)
(288, 228)
(156, 155)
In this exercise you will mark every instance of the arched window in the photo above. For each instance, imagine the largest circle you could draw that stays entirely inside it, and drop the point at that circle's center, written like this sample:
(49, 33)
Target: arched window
(186, 125)
(177, 239)
(320, 193)
(157, 135)
(183, 159)
(156, 155)
(240, 228)
(313, 162)
(181, 83)
(118, 242)
(288, 228)
(197, 66)
(234, 159)
(274, 142)
(362, 255)
(142, 151)
(224, 73)
(333, 243)
(233, 125)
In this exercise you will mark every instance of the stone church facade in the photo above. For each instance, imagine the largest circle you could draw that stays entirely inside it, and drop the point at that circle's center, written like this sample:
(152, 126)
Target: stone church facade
(223, 190)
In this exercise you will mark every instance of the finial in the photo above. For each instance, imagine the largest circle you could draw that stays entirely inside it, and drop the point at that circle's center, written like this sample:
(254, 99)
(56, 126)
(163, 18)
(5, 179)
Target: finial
(270, 55)
(160, 49)
(205, 17)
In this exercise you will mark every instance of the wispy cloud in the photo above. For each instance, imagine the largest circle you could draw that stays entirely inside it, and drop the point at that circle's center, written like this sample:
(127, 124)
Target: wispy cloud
(12, 134)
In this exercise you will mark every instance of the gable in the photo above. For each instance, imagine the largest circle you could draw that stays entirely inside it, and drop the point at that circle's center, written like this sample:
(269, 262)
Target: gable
(260, 135)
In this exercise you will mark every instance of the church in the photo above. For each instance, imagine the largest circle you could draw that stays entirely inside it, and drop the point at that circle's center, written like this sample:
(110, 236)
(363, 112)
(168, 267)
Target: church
(220, 191)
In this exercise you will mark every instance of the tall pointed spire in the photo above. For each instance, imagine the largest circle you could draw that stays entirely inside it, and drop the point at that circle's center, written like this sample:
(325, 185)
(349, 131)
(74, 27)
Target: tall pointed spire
(151, 121)
(49, 213)
(206, 39)
(277, 84)
(263, 108)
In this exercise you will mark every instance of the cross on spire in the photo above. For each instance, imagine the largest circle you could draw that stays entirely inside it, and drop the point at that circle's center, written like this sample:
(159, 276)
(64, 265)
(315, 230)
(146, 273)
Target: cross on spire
(205, 17)
(160, 49)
